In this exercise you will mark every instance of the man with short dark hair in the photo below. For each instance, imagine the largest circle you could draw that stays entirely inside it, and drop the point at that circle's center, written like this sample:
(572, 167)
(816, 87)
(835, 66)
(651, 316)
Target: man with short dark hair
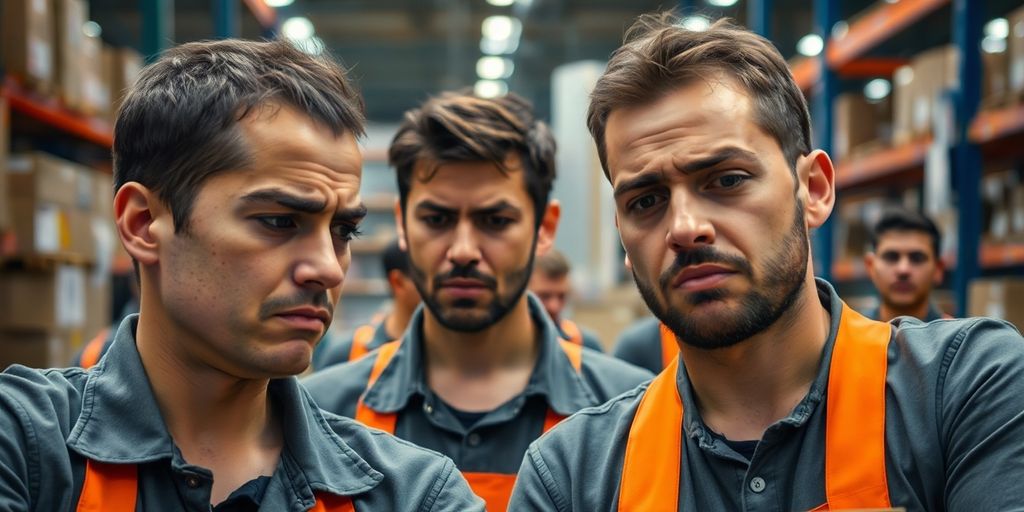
(237, 173)
(905, 265)
(481, 371)
(550, 283)
(782, 397)
(367, 337)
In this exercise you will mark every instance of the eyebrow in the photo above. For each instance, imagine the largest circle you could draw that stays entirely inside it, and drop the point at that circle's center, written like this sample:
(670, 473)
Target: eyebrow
(500, 206)
(303, 204)
(652, 178)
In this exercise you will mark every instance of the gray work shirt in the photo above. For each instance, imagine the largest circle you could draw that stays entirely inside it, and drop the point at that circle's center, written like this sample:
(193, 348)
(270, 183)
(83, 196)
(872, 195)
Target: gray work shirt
(334, 350)
(53, 420)
(497, 442)
(954, 434)
(640, 344)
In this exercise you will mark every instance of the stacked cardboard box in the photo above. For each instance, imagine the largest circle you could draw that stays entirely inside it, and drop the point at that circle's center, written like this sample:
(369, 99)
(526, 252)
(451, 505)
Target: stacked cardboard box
(123, 67)
(42, 315)
(28, 53)
(918, 87)
(69, 18)
(1002, 195)
(859, 123)
(998, 298)
(1015, 54)
(995, 81)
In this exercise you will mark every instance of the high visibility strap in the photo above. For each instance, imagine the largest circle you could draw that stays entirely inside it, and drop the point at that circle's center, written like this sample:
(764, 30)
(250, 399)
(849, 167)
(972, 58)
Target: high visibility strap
(361, 342)
(109, 487)
(669, 346)
(574, 352)
(855, 424)
(94, 349)
(114, 488)
(654, 448)
(572, 331)
(364, 414)
(494, 488)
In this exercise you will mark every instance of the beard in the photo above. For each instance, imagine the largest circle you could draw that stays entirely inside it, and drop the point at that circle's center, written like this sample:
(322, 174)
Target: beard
(768, 301)
(465, 315)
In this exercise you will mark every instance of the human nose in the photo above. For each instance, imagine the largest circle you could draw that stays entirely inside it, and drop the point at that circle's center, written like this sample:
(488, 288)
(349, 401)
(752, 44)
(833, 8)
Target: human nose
(690, 228)
(320, 265)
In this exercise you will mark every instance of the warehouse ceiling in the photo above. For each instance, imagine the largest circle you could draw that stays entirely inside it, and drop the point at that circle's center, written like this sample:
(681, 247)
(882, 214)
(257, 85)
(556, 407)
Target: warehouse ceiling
(401, 51)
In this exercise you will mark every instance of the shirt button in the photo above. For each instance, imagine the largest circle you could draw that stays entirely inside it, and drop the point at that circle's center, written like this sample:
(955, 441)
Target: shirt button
(757, 484)
(473, 439)
(429, 409)
(192, 482)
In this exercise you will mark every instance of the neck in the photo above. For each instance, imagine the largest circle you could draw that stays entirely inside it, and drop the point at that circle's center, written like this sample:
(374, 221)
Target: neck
(397, 320)
(743, 389)
(888, 311)
(509, 342)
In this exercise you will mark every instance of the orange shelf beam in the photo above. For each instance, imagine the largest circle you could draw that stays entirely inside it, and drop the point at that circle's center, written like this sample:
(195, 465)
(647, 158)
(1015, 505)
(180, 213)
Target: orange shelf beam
(264, 14)
(806, 73)
(1001, 255)
(880, 164)
(871, 68)
(875, 27)
(50, 112)
(992, 125)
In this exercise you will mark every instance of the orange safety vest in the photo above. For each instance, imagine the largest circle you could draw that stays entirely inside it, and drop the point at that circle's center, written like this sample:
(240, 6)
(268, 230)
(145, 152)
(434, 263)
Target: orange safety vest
(669, 346)
(94, 349)
(854, 428)
(361, 341)
(573, 331)
(494, 488)
(115, 487)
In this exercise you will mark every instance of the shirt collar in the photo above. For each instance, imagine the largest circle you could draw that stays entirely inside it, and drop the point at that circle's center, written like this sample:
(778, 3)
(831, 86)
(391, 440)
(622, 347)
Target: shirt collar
(553, 376)
(120, 422)
(694, 424)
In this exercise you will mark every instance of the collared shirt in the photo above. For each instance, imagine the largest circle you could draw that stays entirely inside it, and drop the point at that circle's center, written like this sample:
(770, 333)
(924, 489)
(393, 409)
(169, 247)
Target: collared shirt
(54, 420)
(334, 350)
(589, 338)
(496, 443)
(640, 344)
(954, 434)
(933, 313)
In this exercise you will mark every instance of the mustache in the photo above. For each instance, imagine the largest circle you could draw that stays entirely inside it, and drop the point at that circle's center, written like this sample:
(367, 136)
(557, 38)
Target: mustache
(274, 305)
(701, 255)
(465, 272)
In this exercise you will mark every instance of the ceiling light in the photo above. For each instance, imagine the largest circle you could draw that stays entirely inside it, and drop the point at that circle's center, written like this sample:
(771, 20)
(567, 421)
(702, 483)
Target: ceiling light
(503, 47)
(993, 45)
(696, 23)
(498, 27)
(810, 45)
(722, 3)
(501, 3)
(91, 29)
(998, 28)
(490, 88)
(278, 3)
(904, 75)
(493, 68)
(877, 89)
(297, 28)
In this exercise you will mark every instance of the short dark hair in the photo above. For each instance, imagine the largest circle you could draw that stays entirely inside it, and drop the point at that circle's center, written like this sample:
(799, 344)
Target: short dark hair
(178, 124)
(900, 219)
(394, 258)
(658, 55)
(462, 127)
(552, 264)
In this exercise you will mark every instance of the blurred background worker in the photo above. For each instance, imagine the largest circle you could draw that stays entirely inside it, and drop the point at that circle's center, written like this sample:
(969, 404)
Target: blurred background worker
(377, 331)
(647, 343)
(905, 265)
(550, 283)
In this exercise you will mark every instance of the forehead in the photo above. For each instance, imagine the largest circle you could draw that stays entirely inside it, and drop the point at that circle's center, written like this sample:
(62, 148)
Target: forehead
(477, 183)
(904, 240)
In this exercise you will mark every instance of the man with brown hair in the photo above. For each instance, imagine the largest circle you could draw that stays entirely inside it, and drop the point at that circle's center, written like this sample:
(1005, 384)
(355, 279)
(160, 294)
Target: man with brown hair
(782, 397)
(481, 371)
(237, 173)
(550, 283)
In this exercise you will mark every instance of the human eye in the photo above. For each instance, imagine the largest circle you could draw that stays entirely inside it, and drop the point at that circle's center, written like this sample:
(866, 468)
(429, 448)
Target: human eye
(728, 181)
(496, 222)
(918, 257)
(345, 232)
(644, 203)
(276, 222)
(891, 257)
(434, 220)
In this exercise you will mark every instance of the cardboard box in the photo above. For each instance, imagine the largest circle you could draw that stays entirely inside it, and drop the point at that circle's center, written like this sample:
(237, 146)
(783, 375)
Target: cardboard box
(919, 86)
(69, 17)
(124, 66)
(858, 122)
(43, 300)
(995, 80)
(95, 79)
(1015, 53)
(38, 349)
(904, 87)
(43, 178)
(998, 298)
(28, 52)
(98, 301)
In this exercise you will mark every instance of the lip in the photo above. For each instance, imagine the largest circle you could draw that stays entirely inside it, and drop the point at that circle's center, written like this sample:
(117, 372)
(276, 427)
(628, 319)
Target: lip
(462, 282)
(903, 287)
(306, 318)
(701, 277)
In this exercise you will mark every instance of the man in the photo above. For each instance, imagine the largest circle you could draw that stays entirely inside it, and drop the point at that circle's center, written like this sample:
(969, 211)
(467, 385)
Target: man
(782, 398)
(647, 343)
(550, 283)
(905, 265)
(367, 337)
(237, 174)
(481, 371)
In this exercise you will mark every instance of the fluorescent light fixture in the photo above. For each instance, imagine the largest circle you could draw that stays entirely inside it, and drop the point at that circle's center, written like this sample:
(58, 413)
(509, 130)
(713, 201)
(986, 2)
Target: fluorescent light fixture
(998, 28)
(490, 88)
(696, 23)
(993, 45)
(810, 45)
(877, 89)
(278, 3)
(494, 68)
(499, 27)
(503, 47)
(91, 29)
(298, 28)
(722, 3)
(904, 75)
(501, 3)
